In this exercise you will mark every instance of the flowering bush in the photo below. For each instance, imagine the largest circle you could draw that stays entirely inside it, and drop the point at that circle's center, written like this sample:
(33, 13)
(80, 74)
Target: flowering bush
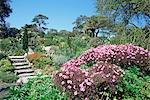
(117, 54)
(34, 56)
(84, 83)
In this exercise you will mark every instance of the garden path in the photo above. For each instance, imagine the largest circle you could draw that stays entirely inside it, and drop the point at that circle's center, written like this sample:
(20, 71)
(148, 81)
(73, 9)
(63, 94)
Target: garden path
(22, 68)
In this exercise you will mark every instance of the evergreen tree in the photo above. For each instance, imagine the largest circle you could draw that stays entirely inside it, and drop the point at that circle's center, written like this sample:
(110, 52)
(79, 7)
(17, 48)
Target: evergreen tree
(25, 40)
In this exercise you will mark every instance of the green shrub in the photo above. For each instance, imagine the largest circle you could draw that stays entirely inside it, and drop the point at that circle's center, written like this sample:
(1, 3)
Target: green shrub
(58, 60)
(19, 52)
(94, 42)
(135, 36)
(74, 46)
(134, 86)
(8, 77)
(5, 65)
(42, 62)
(5, 44)
(38, 49)
(2, 55)
(10, 45)
(54, 40)
(40, 88)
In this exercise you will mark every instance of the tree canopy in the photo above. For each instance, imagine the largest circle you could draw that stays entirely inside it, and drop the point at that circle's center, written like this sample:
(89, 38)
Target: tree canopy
(5, 10)
(40, 23)
(124, 10)
(40, 20)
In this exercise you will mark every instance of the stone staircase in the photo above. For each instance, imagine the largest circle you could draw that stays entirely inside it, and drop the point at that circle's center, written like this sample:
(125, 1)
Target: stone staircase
(22, 68)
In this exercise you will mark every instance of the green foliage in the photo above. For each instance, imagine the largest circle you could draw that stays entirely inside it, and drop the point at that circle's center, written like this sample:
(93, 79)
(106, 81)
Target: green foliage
(79, 23)
(133, 85)
(40, 88)
(124, 10)
(6, 71)
(52, 39)
(38, 49)
(5, 44)
(5, 11)
(122, 13)
(58, 60)
(40, 23)
(69, 46)
(11, 46)
(5, 65)
(6, 74)
(88, 65)
(94, 42)
(135, 36)
(2, 55)
(34, 41)
(42, 62)
(75, 46)
(8, 77)
(40, 20)
(25, 40)
(19, 52)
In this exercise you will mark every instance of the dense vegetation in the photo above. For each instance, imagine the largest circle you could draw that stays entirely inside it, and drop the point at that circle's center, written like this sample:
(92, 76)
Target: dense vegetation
(79, 64)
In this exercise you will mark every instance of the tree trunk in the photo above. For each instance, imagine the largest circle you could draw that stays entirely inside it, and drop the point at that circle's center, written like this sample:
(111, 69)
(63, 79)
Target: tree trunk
(97, 33)
(93, 32)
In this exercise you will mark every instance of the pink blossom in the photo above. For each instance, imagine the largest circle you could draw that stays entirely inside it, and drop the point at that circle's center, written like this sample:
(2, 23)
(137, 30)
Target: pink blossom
(69, 87)
(86, 98)
(82, 88)
(69, 81)
(60, 74)
(75, 93)
(62, 83)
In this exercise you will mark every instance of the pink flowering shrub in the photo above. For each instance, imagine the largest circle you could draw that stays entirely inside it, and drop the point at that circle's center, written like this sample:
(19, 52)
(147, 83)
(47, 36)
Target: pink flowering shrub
(84, 83)
(74, 80)
(117, 54)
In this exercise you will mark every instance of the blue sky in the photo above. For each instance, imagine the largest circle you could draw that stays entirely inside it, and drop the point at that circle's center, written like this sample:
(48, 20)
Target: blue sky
(61, 13)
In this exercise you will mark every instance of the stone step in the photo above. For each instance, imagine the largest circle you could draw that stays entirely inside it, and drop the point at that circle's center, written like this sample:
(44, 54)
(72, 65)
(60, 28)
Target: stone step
(22, 67)
(25, 79)
(20, 63)
(18, 60)
(26, 74)
(24, 71)
(16, 57)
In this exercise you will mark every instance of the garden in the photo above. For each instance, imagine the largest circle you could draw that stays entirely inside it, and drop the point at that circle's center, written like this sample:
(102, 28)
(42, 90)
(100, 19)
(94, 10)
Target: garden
(104, 57)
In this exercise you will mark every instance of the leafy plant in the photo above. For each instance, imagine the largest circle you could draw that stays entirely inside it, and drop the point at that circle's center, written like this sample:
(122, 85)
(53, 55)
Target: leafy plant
(19, 52)
(133, 85)
(39, 88)
(58, 60)
(136, 36)
(2, 55)
(34, 56)
(42, 62)
(10, 45)
(94, 42)
(8, 77)
(5, 65)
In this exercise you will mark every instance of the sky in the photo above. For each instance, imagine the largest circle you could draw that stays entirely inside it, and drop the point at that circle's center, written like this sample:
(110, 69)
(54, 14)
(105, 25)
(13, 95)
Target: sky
(61, 13)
